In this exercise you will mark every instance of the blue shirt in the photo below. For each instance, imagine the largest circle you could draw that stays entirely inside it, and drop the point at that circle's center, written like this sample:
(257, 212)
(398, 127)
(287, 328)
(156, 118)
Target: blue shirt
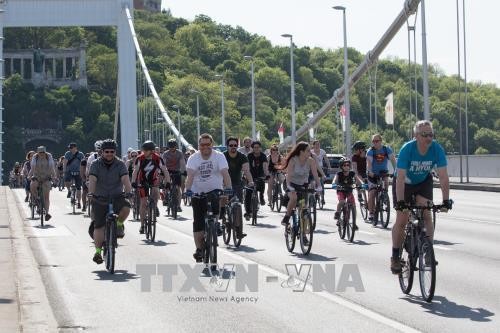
(75, 164)
(379, 158)
(417, 166)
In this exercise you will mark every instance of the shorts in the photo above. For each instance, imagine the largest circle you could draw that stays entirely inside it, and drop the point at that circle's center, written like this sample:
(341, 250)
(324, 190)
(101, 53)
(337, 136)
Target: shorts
(175, 177)
(145, 190)
(100, 210)
(424, 189)
(47, 185)
(343, 196)
(372, 181)
(200, 212)
(68, 177)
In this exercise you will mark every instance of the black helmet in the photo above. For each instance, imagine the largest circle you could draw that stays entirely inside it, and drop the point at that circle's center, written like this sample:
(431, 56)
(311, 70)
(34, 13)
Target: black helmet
(148, 145)
(172, 143)
(343, 161)
(359, 145)
(108, 144)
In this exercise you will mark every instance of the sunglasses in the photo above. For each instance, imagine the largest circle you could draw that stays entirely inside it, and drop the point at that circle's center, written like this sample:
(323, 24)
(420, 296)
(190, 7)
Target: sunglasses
(274, 149)
(233, 146)
(108, 151)
(205, 144)
(427, 134)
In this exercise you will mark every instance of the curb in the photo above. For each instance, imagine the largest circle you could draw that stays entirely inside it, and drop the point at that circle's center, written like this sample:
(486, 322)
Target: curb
(472, 187)
(34, 309)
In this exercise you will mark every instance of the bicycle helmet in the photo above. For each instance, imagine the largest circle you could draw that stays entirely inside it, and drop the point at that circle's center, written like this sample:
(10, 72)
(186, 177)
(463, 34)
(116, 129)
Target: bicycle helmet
(343, 161)
(97, 145)
(359, 145)
(148, 145)
(172, 143)
(108, 144)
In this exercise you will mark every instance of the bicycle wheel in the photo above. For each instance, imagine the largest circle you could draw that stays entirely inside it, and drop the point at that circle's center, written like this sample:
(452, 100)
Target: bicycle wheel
(364, 210)
(312, 210)
(213, 246)
(153, 225)
(427, 270)
(226, 222)
(290, 233)
(208, 241)
(185, 198)
(274, 198)
(385, 209)
(434, 219)
(351, 221)
(254, 206)
(109, 255)
(377, 209)
(151, 212)
(306, 233)
(173, 202)
(320, 200)
(237, 224)
(32, 206)
(342, 223)
(408, 266)
(42, 209)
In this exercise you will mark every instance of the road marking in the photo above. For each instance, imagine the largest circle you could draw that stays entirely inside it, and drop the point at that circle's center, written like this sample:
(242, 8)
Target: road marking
(334, 298)
(442, 248)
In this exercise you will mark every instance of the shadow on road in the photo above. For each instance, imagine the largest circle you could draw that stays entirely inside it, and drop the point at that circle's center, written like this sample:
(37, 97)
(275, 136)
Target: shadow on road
(313, 257)
(441, 242)
(245, 248)
(46, 226)
(441, 306)
(119, 276)
(156, 243)
(263, 225)
(76, 213)
(6, 301)
(321, 231)
(360, 242)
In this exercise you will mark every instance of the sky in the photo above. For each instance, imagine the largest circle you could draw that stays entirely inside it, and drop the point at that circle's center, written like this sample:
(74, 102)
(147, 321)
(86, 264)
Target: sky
(314, 23)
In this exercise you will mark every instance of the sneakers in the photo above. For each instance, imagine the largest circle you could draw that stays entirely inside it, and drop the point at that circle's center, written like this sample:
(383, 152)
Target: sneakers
(79, 206)
(262, 201)
(337, 215)
(286, 220)
(120, 231)
(141, 230)
(396, 267)
(48, 217)
(247, 216)
(97, 258)
(198, 255)
(242, 235)
(157, 212)
(356, 227)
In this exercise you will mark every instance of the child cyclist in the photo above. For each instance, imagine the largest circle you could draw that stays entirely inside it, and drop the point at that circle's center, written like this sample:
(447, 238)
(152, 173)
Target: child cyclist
(345, 179)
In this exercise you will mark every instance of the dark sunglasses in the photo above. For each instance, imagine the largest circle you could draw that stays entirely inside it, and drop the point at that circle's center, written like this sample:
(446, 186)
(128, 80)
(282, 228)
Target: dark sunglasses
(233, 146)
(108, 151)
(427, 134)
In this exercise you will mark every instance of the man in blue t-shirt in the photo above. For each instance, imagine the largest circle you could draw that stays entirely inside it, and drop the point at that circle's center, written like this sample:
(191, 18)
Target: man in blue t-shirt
(416, 160)
(71, 166)
(377, 158)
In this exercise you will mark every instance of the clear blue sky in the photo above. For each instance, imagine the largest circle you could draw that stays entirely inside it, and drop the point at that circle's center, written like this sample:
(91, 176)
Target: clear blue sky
(314, 23)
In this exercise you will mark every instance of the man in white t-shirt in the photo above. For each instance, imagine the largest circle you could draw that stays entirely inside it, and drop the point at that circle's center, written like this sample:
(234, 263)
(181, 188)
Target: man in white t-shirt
(247, 146)
(207, 170)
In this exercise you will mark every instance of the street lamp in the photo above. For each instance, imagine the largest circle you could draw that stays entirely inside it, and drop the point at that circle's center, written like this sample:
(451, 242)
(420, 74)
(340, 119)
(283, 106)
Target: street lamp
(292, 87)
(346, 89)
(425, 74)
(222, 107)
(253, 96)
(194, 91)
(178, 123)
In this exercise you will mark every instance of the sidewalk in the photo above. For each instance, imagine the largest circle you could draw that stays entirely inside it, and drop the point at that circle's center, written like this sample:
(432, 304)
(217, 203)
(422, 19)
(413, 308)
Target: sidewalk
(475, 184)
(9, 303)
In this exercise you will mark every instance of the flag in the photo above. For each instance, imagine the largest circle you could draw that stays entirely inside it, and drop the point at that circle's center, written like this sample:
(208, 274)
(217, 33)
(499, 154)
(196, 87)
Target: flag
(257, 136)
(342, 117)
(311, 130)
(389, 109)
(281, 133)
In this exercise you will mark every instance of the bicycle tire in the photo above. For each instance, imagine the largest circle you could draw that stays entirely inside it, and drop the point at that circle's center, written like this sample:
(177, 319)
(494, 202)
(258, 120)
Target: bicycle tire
(351, 222)
(290, 234)
(237, 224)
(207, 239)
(274, 199)
(342, 223)
(174, 202)
(32, 206)
(408, 267)
(377, 210)
(364, 209)
(306, 233)
(385, 209)
(427, 281)
(254, 208)
(109, 256)
(312, 208)
(213, 245)
(226, 221)
(153, 225)
(42, 208)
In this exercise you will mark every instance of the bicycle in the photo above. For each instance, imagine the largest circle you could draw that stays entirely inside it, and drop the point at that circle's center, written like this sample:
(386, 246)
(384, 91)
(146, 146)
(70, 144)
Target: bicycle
(382, 202)
(209, 254)
(301, 226)
(150, 219)
(110, 240)
(172, 200)
(187, 199)
(312, 199)
(277, 193)
(347, 218)
(320, 197)
(254, 203)
(232, 221)
(136, 205)
(418, 246)
(363, 204)
(38, 204)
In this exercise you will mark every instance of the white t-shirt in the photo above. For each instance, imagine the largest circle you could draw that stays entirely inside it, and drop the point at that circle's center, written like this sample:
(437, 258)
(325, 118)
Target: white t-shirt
(207, 173)
(319, 157)
(93, 156)
(244, 150)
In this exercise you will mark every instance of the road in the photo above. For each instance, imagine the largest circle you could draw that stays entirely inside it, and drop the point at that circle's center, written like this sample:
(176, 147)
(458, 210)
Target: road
(83, 296)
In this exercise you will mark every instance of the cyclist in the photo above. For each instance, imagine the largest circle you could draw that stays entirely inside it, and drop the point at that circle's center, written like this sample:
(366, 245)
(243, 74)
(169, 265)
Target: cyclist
(415, 163)
(146, 173)
(319, 156)
(298, 164)
(376, 166)
(108, 177)
(130, 163)
(359, 165)
(274, 162)
(247, 146)
(176, 166)
(72, 161)
(258, 168)
(238, 164)
(16, 171)
(207, 170)
(94, 156)
(26, 170)
(60, 168)
(41, 172)
(346, 178)
(85, 189)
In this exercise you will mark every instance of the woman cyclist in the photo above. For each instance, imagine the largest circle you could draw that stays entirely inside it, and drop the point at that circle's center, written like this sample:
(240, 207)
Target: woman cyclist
(274, 162)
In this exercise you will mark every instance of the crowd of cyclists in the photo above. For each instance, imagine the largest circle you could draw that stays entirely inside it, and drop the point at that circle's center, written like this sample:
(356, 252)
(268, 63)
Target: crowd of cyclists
(150, 173)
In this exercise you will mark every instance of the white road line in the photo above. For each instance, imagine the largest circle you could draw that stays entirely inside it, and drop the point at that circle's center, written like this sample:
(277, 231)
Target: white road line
(334, 298)
(442, 248)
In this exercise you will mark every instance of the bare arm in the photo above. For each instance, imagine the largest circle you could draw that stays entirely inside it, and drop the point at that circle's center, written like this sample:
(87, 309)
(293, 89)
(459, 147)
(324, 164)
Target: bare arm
(289, 171)
(126, 183)
(92, 182)
(226, 178)
(266, 168)
(134, 173)
(369, 160)
(165, 173)
(246, 171)
(444, 181)
(314, 170)
(400, 184)
(393, 161)
(189, 179)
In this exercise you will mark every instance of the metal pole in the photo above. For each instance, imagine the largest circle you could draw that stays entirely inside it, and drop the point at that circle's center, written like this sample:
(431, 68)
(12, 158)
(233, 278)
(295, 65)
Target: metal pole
(466, 101)
(375, 111)
(197, 117)
(179, 124)
(253, 103)
(427, 111)
(460, 126)
(346, 94)
(1, 96)
(292, 91)
(409, 74)
(222, 115)
(415, 66)
(370, 91)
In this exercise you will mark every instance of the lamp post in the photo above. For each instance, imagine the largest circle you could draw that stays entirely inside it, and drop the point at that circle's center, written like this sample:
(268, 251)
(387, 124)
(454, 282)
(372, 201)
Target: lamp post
(346, 89)
(292, 88)
(223, 125)
(178, 123)
(253, 96)
(425, 77)
(194, 91)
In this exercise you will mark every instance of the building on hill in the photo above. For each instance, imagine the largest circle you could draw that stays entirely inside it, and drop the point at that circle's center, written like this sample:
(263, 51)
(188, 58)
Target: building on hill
(151, 5)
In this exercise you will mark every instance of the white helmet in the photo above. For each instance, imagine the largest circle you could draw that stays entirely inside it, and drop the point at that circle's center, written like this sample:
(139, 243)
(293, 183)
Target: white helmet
(97, 145)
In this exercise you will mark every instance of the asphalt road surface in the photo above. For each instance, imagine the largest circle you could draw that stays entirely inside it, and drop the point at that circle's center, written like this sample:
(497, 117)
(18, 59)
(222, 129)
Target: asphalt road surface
(366, 296)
